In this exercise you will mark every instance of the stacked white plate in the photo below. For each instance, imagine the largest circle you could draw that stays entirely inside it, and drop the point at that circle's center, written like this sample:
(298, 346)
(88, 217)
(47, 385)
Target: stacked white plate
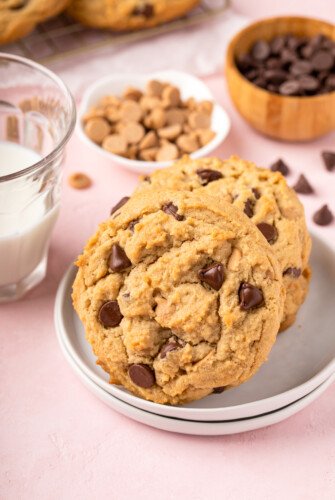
(300, 367)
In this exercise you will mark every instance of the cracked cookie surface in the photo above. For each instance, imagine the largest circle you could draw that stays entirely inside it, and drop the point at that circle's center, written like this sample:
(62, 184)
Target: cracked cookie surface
(265, 198)
(180, 295)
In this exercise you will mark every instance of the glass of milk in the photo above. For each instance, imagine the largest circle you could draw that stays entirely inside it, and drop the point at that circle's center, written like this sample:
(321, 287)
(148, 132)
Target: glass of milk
(37, 117)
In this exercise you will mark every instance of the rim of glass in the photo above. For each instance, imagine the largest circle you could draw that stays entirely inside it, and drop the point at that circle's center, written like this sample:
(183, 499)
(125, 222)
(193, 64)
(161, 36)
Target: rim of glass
(59, 82)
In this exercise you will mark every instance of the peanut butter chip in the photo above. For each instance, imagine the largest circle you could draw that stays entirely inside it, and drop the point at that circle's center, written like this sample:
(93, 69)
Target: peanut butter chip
(132, 94)
(171, 96)
(97, 129)
(115, 143)
(133, 132)
(170, 132)
(187, 143)
(130, 111)
(154, 88)
(150, 140)
(148, 154)
(79, 180)
(175, 116)
(205, 136)
(199, 120)
(156, 119)
(167, 152)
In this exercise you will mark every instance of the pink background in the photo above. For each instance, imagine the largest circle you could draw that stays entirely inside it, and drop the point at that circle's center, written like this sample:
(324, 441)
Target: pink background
(59, 442)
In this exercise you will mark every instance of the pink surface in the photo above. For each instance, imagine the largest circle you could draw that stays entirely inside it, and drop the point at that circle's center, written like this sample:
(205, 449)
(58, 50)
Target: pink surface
(59, 442)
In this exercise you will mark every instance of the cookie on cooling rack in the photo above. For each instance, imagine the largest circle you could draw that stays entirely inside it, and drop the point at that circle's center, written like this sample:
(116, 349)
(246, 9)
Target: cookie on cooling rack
(265, 198)
(121, 15)
(19, 17)
(180, 296)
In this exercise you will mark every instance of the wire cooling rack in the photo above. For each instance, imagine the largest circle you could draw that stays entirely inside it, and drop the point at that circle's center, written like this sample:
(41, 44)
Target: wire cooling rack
(62, 37)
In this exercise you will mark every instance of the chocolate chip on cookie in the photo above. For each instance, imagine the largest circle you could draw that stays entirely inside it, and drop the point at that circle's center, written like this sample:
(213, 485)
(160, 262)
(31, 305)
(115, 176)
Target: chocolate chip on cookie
(249, 207)
(171, 209)
(142, 375)
(132, 224)
(110, 314)
(256, 193)
(294, 272)
(219, 390)
(146, 10)
(212, 275)
(118, 260)
(250, 296)
(168, 347)
(120, 204)
(268, 231)
(207, 175)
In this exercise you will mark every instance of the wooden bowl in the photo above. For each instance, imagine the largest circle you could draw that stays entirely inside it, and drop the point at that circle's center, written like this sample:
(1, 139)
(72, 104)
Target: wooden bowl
(280, 117)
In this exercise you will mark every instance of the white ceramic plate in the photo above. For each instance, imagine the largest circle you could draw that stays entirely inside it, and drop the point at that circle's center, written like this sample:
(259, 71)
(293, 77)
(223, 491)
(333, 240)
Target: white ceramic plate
(192, 426)
(189, 85)
(302, 358)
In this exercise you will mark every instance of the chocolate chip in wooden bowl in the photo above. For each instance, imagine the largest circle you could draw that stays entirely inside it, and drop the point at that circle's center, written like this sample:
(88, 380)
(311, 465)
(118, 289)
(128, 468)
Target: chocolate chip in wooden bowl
(250, 296)
(168, 347)
(109, 314)
(301, 67)
(309, 84)
(212, 275)
(280, 166)
(142, 375)
(171, 209)
(323, 216)
(249, 208)
(118, 260)
(302, 186)
(208, 175)
(291, 87)
(120, 204)
(328, 159)
(322, 60)
(260, 50)
(294, 272)
(268, 231)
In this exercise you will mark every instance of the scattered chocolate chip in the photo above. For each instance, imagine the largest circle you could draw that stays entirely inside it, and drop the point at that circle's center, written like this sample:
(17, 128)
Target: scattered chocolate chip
(207, 175)
(168, 347)
(302, 186)
(260, 50)
(328, 159)
(212, 275)
(291, 87)
(280, 166)
(142, 375)
(322, 60)
(171, 209)
(249, 207)
(256, 192)
(268, 231)
(250, 296)
(218, 390)
(132, 224)
(323, 216)
(146, 10)
(118, 260)
(295, 272)
(120, 204)
(110, 314)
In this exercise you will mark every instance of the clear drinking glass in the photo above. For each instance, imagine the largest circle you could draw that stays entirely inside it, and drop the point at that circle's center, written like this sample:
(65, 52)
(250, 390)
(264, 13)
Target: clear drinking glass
(37, 117)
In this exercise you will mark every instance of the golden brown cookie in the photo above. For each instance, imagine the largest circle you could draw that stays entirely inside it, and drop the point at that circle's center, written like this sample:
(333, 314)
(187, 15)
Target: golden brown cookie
(265, 198)
(120, 15)
(180, 295)
(19, 17)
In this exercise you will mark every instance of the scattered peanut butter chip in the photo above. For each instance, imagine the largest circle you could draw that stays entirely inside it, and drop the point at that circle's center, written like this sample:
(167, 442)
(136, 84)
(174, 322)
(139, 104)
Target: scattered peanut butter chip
(133, 132)
(154, 88)
(78, 180)
(171, 132)
(115, 143)
(171, 96)
(97, 129)
(167, 152)
(199, 120)
(150, 140)
(130, 111)
(187, 143)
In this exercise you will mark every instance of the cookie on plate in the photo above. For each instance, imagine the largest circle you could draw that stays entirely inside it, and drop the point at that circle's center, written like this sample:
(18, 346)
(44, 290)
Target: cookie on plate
(180, 296)
(18, 17)
(266, 199)
(120, 15)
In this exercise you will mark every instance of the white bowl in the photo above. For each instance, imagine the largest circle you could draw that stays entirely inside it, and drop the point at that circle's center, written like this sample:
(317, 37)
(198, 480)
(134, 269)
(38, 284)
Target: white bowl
(189, 86)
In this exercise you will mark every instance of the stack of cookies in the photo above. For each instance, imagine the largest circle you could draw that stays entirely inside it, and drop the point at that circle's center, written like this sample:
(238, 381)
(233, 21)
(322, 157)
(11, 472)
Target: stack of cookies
(182, 291)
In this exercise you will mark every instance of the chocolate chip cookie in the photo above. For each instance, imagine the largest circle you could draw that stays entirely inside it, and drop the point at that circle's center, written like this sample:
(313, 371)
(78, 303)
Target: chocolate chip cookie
(266, 199)
(19, 17)
(120, 15)
(180, 296)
